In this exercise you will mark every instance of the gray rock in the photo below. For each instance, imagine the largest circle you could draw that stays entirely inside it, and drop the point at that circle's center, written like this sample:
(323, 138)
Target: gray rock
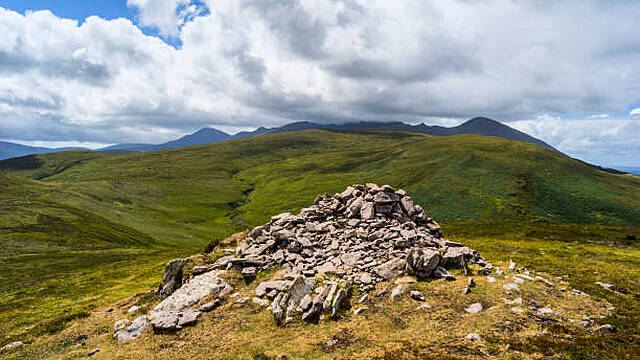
(212, 305)
(133, 309)
(120, 325)
(305, 303)
(197, 270)
(442, 273)
(474, 308)
(12, 345)
(266, 286)
(134, 330)
(340, 298)
(392, 268)
(454, 257)
(512, 265)
(417, 295)
(326, 305)
(422, 262)
(605, 286)
(172, 279)
(188, 317)
(473, 337)
(605, 329)
(367, 211)
(93, 352)
(260, 302)
(207, 284)
(398, 290)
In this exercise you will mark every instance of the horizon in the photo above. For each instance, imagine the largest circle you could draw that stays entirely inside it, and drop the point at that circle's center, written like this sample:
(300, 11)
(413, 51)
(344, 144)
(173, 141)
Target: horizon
(138, 71)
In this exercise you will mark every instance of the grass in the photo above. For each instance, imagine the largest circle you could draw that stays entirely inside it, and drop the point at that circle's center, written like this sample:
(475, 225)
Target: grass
(80, 229)
(396, 330)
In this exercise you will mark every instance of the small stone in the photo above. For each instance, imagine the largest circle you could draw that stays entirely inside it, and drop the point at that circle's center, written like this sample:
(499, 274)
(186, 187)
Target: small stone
(363, 298)
(474, 308)
(12, 345)
(605, 329)
(133, 309)
(260, 302)
(491, 279)
(517, 309)
(545, 311)
(93, 352)
(471, 283)
(398, 290)
(210, 305)
(510, 286)
(424, 306)
(417, 295)
(197, 270)
(512, 265)
(242, 300)
(467, 290)
(134, 330)
(121, 324)
(473, 337)
(359, 310)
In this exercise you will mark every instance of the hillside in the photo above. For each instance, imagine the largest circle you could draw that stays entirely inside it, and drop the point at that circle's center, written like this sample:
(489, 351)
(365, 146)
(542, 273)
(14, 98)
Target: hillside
(241, 182)
(10, 150)
(82, 229)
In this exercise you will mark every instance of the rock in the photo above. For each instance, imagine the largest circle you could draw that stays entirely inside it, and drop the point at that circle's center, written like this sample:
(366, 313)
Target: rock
(545, 311)
(455, 257)
(305, 303)
(197, 270)
(242, 300)
(93, 352)
(249, 273)
(423, 306)
(326, 305)
(341, 296)
(276, 308)
(422, 262)
(260, 302)
(366, 212)
(12, 345)
(188, 317)
(359, 310)
(132, 309)
(605, 329)
(363, 298)
(266, 286)
(207, 284)
(473, 337)
(467, 290)
(474, 308)
(212, 305)
(442, 273)
(512, 265)
(300, 288)
(392, 268)
(605, 286)
(517, 309)
(121, 324)
(165, 321)
(491, 279)
(510, 286)
(417, 295)
(134, 330)
(471, 283)
(172, 279)
(398, 290)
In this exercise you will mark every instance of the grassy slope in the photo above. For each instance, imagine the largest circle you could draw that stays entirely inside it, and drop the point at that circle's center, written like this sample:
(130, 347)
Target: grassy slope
(395, 330)
(118, 217)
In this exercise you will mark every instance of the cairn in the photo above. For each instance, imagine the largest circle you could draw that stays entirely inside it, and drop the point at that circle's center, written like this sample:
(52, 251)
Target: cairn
(359, 237)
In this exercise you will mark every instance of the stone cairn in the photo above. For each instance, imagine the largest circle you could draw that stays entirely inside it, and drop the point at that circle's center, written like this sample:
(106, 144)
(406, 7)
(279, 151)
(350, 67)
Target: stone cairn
(359, 237)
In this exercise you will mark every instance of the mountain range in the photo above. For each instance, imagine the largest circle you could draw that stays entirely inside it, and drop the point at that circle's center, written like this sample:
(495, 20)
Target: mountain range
(475, 126)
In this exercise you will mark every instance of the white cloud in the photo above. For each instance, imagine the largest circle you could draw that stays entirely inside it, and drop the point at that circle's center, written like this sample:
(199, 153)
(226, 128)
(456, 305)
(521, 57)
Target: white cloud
(635, 111)
(248, 63)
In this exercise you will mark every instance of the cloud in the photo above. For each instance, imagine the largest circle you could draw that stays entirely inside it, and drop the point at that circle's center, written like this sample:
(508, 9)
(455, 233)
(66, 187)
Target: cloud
(635, 111)
(242, 64)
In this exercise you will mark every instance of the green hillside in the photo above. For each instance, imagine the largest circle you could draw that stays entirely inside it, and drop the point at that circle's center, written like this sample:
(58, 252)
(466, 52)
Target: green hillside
(80, 229)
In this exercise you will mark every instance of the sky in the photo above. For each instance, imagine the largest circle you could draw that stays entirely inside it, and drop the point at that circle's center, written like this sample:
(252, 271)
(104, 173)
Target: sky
(104, 72)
